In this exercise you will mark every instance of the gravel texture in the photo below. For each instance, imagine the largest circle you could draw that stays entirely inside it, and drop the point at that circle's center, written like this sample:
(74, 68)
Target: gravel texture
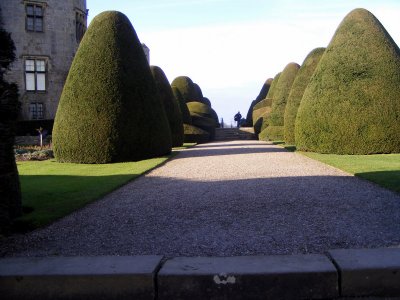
(226, 199)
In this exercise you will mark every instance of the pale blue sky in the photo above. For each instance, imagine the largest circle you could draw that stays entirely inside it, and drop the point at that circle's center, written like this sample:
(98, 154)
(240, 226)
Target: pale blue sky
(230, 47)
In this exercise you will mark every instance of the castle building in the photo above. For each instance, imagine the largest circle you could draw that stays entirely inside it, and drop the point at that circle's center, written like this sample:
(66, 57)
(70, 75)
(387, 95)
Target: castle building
(46, 34)
(146, 51)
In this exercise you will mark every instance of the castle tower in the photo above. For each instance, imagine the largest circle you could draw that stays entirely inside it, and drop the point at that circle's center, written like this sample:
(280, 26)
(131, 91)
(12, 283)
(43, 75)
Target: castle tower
(46, 34)
(146, 51)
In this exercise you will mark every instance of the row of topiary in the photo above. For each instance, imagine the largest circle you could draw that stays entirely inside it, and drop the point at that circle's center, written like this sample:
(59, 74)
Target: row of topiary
(201, 120)
(115, 108)
(344, 99)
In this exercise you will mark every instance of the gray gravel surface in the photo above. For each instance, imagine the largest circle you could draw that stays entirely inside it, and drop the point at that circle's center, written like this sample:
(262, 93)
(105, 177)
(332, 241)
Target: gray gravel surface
(225, 199)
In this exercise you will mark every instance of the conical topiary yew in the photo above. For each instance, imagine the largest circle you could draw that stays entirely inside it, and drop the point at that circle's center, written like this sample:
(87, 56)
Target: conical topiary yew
(186, 87)
(263, 93)
(203, 117)
(270, 94)
(274, 83)
(109, 110)
(352, 103)
(182, 105)
(170, 104)
(297, 91)
(261, 113)
(194, 134)
(199, 93)
(274, 131)
(206, 101)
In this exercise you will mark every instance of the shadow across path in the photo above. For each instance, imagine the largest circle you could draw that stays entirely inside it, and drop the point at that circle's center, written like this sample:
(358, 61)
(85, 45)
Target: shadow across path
(255, 216)
(213, 149)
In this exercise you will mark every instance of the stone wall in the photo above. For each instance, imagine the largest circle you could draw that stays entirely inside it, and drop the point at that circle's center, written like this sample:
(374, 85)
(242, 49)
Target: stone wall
(56, 45)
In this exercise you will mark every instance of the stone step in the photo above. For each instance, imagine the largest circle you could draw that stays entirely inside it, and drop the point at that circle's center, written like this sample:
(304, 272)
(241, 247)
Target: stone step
(97, 277)
(372, 274)
(249, 277)
(244, 133)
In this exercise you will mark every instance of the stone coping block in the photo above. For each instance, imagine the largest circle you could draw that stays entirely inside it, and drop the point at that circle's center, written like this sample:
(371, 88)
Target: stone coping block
(101, 277)
(368, 272)
(248, 277)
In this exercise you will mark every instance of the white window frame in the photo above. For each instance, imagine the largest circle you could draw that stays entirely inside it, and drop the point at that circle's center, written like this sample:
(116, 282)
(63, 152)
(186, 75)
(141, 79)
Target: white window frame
(35, 69)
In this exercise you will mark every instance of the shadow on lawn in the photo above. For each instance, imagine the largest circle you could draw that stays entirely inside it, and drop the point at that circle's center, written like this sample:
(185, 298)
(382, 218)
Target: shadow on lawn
(253, 216)
(46, 198)
(388, 179)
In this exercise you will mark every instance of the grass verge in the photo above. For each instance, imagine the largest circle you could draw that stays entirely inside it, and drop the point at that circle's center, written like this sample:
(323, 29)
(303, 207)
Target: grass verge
(51, 190)
(382, 169)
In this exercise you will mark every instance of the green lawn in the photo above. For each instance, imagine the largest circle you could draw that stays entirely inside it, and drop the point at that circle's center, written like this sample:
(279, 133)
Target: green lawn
(383, 169)
(51, 190)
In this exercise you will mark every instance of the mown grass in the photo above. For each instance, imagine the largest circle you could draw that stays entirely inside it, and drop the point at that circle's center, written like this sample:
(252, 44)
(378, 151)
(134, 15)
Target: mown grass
(382, 169)
(52, 190)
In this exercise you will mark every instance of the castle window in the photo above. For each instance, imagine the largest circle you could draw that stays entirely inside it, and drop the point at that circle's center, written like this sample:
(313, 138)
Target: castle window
(80, 22)
(36, 111)
(35, 75)
(34, 17)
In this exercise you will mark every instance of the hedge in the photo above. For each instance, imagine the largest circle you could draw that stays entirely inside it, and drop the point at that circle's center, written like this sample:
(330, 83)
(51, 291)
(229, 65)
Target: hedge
(109, 110)
(351, 105)
(296, 93)
(182, 105)
(186, 87)
(203, 117)
(280, 96)
(262, 95)
(170, 104)
(194, 134)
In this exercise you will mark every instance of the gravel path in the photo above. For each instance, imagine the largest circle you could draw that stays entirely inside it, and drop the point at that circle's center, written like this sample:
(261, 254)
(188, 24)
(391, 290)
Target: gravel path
(225, 199)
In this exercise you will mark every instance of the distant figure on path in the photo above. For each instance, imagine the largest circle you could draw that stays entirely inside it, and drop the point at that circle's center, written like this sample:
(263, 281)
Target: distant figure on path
(237, 118)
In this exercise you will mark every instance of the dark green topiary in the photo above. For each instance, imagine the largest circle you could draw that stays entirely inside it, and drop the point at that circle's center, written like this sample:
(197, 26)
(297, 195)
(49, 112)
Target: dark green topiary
(187, 88)
(276, 121)
(260, 107)
(203, 117)
(10, 191)
(262, 104)
(206, 101)
(264, 90)
(249, 116)
(170, 104)
(109, 110)
(182, 105)
(297, 91)
(272, 88)
(199, 93)
(262, 110)
(262, 95)
(200, 109)
(261, 114)
(194, 134)
(352, 103)
(262, 136)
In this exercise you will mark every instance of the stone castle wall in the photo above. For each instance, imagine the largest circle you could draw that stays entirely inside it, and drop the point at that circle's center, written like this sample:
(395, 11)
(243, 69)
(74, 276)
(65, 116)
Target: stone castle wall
(56, 45)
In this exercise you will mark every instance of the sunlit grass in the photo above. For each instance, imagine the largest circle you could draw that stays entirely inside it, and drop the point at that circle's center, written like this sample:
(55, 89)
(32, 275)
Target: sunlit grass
(51, 190)
(382, 169)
